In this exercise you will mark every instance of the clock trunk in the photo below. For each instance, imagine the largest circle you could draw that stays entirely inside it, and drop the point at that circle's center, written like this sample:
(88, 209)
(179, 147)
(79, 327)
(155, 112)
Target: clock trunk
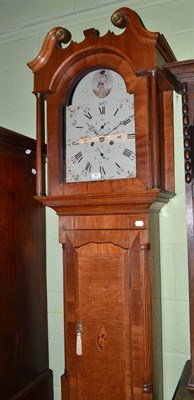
(110, 300)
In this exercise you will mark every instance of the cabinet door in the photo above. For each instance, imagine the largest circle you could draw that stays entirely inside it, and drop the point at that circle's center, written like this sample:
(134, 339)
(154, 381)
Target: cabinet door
(100, 281)
(103, 307)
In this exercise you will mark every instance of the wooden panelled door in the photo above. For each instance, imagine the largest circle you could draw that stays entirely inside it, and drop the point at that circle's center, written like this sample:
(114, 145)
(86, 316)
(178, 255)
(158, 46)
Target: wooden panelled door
(103, 304)
(105, 310)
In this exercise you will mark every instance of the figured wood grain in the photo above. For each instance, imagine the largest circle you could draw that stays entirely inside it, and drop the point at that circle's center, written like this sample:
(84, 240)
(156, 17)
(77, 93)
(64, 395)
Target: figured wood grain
(103, 302)
(103, 288)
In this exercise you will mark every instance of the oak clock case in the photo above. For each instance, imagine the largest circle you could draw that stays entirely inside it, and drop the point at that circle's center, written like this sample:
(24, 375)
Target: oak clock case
(110, 161)
(100, 129)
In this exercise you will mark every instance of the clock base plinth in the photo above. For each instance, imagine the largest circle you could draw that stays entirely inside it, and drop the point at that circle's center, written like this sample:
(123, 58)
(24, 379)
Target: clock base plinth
(65, 387)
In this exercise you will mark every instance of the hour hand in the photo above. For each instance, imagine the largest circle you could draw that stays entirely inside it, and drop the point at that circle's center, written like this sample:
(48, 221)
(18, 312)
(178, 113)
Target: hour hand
(91, 128)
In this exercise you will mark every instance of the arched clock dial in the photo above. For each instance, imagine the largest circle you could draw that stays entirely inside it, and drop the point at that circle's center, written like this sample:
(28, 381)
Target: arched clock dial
(100, 129)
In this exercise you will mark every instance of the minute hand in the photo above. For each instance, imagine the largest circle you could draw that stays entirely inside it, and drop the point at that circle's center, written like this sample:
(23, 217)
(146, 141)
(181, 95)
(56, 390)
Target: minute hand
(113, 129)
(124, 122)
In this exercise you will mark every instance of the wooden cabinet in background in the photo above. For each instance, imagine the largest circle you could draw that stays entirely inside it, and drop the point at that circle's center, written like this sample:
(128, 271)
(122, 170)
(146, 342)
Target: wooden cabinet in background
(24, 372)
(183, 74)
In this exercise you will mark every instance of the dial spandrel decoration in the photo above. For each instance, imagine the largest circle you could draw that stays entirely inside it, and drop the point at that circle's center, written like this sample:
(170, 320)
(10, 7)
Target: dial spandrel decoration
(100, 129)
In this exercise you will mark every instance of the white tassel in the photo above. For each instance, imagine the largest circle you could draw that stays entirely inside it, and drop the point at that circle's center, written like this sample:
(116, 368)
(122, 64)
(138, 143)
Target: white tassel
(79, 344)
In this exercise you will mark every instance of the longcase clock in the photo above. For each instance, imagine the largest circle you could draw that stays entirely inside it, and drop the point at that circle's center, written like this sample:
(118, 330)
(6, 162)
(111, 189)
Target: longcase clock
(110, 161)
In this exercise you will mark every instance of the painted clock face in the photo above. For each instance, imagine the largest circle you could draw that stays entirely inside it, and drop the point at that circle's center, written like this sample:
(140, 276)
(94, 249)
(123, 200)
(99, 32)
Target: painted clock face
(100, 129)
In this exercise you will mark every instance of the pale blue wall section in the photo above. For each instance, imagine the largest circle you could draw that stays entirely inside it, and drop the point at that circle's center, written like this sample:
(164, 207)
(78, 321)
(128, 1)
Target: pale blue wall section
(24, 24)
(55, 301)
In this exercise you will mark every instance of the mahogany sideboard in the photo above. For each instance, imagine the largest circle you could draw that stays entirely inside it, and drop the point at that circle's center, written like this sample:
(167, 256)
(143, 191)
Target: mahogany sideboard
(24, 371)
